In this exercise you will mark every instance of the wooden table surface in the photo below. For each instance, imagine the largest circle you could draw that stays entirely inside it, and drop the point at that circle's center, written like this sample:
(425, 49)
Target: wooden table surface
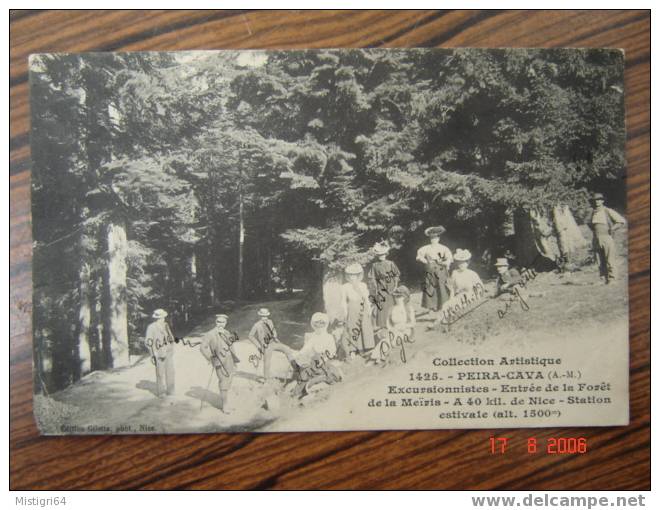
(618, 458)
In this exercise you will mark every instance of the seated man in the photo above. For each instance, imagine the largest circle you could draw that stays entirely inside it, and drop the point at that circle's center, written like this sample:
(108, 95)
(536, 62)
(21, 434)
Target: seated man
(313, 362)
(508, 277)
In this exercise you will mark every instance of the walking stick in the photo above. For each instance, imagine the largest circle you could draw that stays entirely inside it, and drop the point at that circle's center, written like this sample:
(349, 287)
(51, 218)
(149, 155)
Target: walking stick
(201, 402)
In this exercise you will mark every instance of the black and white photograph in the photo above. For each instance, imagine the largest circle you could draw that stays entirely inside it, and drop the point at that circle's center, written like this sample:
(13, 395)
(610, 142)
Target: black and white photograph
(372, 239)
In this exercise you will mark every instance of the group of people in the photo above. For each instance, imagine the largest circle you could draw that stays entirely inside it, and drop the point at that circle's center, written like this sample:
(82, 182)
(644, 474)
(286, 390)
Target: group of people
(376, 315)
(313, 363)
(377, 318)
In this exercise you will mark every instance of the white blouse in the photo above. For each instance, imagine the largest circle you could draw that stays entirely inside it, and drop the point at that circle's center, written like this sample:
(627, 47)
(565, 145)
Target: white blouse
(464, 281)
(438, 252)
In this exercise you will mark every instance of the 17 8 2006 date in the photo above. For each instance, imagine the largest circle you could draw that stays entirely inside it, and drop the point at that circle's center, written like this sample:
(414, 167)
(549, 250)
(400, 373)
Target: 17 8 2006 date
(550, 445)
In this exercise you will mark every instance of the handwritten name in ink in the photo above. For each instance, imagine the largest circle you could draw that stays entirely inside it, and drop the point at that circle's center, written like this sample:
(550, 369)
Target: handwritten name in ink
(159, 343)
(395, 340)
(431, 280)
(356, 331)
(462, 304)
(527, 275)
(225, 351)
(255, 359)
(319, 365)
(380, 298)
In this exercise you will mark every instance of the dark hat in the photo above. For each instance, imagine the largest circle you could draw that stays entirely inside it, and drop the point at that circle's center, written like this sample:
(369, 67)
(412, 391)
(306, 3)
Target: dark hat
(381, 248)
(435, 231)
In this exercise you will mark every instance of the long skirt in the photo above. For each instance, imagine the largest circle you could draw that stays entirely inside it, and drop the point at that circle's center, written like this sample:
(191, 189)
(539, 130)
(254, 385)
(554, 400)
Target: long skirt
(382, 303)
(358, 333)
(435, 291)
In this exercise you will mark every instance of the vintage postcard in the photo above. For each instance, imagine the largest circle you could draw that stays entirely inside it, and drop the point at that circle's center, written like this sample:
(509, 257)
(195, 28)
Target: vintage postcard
(231, 241)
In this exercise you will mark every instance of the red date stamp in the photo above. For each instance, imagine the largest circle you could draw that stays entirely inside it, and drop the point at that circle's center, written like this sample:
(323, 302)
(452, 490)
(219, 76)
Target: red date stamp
(550, 445)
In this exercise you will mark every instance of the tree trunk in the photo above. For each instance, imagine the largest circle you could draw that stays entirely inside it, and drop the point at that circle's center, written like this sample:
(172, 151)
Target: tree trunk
(98, 361)
(194, 301)
(84, 322)
(211, 263)
(536, 239)
(44, 362)
(269, 269)
(115, 309)
(241, 242)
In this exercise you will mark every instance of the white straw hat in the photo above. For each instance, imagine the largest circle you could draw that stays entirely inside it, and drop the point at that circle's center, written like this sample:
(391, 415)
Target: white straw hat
(353, 269)
(462, 255)
(319, 317)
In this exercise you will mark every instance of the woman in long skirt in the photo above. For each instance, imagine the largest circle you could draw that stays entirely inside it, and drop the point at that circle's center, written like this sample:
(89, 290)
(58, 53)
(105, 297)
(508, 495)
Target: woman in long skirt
(383, 279)
(436, 258)
(358, 336)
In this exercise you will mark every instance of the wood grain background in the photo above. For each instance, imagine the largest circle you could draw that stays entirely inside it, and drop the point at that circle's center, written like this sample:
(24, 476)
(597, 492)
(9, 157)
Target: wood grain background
(619, 458)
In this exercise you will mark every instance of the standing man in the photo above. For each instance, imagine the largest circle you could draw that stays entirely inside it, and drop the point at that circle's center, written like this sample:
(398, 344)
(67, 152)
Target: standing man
(262, 333)
(436, 258)
(603, 222)
(216, 348)
(160, 342)
(382, 280)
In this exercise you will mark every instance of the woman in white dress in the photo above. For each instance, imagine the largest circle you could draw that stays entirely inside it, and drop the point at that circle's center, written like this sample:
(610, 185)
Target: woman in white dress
(358, 336)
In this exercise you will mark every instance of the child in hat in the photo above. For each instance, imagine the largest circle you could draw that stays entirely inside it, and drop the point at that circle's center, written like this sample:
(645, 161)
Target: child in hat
(400, 326)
